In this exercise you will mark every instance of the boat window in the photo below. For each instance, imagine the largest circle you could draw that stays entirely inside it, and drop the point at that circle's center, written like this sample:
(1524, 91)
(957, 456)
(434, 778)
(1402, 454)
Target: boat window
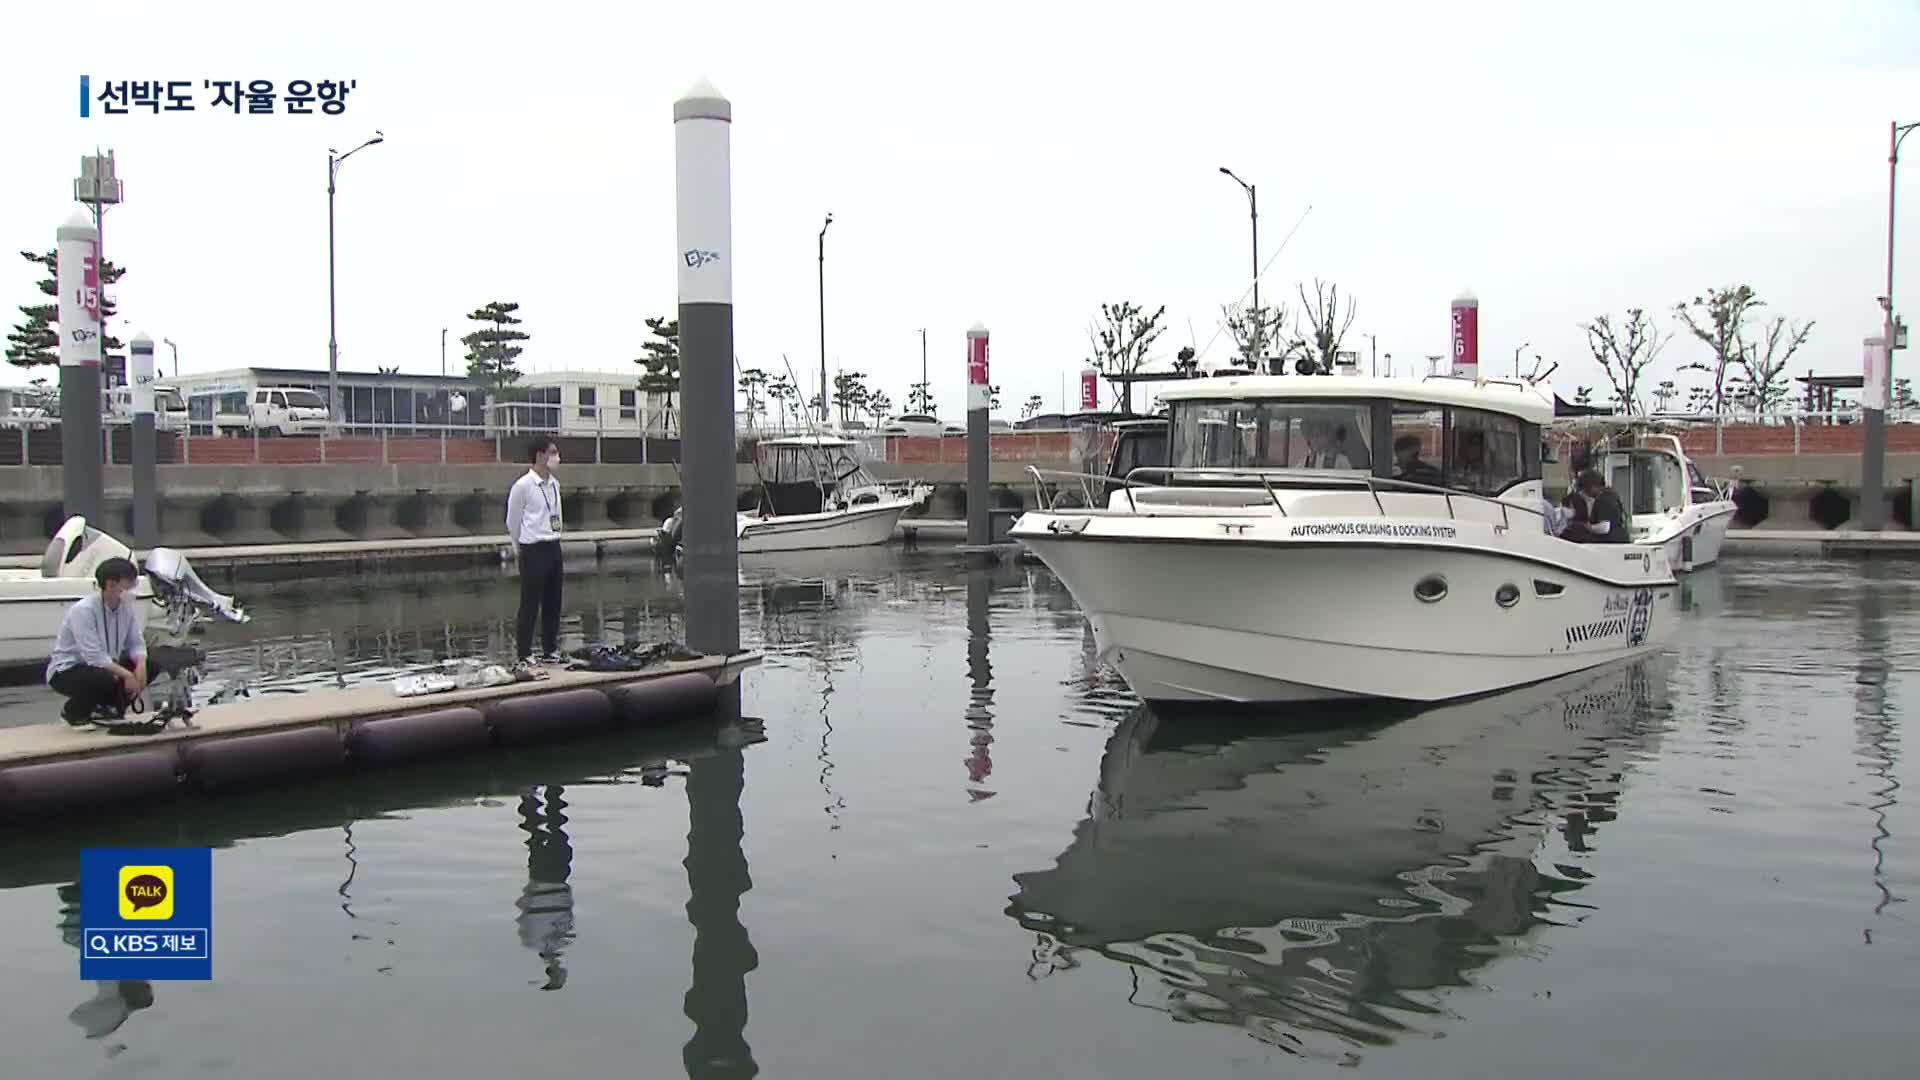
(1416, 444)
(1651, 484)
(1483, 452)
(1219, 435)
(1272, 435)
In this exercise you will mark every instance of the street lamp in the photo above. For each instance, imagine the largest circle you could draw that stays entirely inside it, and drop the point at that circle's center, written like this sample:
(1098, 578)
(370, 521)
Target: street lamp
(168, 342)
(823, 318)
(1253, 212)
(1873, 469)
(1516, 358)
(333, 333)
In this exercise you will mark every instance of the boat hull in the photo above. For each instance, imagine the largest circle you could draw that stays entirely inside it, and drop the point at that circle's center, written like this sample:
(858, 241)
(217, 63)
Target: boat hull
(1694, 542)
(32, 608)
(1205, 622)
(859, 527)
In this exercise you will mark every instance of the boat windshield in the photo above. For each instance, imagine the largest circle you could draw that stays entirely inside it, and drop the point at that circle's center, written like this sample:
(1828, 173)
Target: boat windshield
(829, 465)
(1275, 434)
(1466, 449)
(1650, 483)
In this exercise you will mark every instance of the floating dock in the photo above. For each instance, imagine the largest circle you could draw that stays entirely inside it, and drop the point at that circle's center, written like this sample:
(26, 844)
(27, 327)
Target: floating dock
(269, 739)
(1824, 543)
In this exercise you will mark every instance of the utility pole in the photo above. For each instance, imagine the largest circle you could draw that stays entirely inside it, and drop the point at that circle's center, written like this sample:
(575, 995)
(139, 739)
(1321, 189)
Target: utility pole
(923, 363)
(333, 330)
(823, 317)
(1873, 510)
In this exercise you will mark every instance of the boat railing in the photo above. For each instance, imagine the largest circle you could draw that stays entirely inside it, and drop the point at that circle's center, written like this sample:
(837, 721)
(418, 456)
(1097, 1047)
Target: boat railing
(1373, 484)
(1044, 502)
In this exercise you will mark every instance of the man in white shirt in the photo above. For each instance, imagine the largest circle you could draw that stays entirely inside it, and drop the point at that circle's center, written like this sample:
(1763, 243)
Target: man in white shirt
(533, 529)
(99, 658)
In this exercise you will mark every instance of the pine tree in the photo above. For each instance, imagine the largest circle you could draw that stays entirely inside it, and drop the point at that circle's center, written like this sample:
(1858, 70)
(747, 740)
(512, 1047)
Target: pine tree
(36, 342)
(661, 359)
(490, 351)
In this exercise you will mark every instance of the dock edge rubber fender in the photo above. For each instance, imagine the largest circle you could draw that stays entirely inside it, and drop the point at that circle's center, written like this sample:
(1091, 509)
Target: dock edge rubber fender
(656, 702)
(29, 792)
(243, 761)
(560, 714)
(411, 737)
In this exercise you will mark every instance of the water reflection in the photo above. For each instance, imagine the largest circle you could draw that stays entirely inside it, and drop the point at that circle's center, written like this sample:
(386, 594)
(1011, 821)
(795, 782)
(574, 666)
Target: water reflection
(113, 1000)
(1317, 888)
(980, 676)
(717, 877)
(1873, 721)
(546, 904)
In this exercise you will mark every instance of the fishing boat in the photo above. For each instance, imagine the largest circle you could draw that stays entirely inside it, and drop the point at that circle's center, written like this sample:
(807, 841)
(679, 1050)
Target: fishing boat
(813, 493)
(34, 601)
(1317, 538)
(1673, 504)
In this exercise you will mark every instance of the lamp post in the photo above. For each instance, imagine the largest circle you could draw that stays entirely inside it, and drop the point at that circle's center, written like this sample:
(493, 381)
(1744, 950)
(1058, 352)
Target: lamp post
(1516, 358)
(443, 352)
(333, 333)
(168, 342)
(1253, 212)
(823, 318)
(1873, 511)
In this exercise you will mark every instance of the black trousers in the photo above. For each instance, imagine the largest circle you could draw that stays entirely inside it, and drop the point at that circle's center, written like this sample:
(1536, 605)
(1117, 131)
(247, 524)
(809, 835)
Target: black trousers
(87, 688)
(540, 595)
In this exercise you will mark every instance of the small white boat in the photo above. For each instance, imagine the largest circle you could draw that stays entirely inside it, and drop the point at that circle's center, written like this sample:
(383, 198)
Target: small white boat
(1335, 537)
(1672, 503)
(33, 602)
(813, 493)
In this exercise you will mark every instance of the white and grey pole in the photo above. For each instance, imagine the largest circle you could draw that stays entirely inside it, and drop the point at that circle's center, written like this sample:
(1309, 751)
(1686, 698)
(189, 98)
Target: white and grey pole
(77, 276)
(702, 129)
(979, 399)
(146, 493)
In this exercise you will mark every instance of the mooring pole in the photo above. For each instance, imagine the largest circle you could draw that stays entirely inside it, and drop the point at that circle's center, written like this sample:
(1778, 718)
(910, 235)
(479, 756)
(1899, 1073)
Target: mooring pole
(702, 129)
(77, 276)
(979, 399)
(146, 494)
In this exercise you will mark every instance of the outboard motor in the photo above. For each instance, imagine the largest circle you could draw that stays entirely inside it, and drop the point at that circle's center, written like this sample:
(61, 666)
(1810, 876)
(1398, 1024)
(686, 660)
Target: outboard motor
(174, 667)
(175, 585)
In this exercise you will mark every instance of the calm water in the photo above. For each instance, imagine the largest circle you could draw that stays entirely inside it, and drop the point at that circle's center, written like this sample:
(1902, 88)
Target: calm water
(940, 841)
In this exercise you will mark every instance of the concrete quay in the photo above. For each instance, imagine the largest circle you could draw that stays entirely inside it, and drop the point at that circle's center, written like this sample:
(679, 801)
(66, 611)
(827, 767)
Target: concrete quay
(222, 506)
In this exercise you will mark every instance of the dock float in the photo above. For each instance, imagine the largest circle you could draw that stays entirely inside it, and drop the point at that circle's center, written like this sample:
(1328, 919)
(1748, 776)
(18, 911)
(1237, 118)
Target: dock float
(1824, 543)
(270, 739)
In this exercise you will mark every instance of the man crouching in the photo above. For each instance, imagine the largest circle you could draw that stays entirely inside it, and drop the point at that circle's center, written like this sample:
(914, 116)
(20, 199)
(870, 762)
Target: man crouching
(99, 659)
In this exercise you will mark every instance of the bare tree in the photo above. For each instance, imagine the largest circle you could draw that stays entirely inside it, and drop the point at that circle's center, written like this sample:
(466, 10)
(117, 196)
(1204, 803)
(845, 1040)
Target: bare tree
(1121, 339)
(1258, 332)
(1717, 319)
(1625, 351)
(1318, 338)
(1765, 361)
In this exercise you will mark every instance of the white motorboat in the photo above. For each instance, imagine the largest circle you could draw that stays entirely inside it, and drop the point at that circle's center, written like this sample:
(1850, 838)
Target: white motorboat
(1671, 501)
(33, 602)
(814, 493)
(1288, 555)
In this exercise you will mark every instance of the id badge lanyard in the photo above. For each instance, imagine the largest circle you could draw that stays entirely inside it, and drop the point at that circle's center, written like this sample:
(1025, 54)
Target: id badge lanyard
(553, 510)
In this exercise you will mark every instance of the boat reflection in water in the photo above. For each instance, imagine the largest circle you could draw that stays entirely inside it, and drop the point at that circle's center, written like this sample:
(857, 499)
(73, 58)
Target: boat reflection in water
(1318, 888)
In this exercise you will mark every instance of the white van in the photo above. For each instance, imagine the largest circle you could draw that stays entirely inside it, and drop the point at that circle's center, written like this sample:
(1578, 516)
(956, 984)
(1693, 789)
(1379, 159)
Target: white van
(169, 407)
(273, 410)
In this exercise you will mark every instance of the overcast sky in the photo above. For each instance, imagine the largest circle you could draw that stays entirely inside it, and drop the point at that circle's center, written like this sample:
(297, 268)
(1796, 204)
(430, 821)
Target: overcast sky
(1013, 163)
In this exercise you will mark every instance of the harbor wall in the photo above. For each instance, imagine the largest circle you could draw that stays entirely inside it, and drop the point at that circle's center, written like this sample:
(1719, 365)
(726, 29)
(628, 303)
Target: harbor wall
(215, 505)
(218, 505)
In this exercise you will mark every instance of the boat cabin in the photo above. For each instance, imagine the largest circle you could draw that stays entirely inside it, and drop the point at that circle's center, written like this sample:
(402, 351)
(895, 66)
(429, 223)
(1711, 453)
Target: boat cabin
(806, 474)
(1654, 475)
(1441, 431)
